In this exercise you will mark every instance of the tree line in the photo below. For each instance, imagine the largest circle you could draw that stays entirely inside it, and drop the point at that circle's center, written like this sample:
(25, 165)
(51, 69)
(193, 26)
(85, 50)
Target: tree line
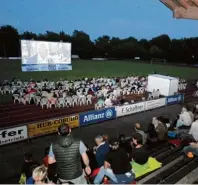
(183, 50)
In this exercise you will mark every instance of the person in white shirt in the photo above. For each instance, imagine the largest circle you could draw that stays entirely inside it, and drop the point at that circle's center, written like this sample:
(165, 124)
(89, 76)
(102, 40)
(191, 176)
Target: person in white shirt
(184, 120)
(108, 102)
(193, 133)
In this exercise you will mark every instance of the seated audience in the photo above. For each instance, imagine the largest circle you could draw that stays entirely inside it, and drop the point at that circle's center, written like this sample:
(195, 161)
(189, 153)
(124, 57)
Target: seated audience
(28, 165)
(190, 112)
(125, 144)
(192, 135)
(106, 137)
(152, 136)
(185, 120)
(40, 175)
(108, 102)
(30, 180)
(101, 150)
(143, 134)
(139, 154)
(161, 129)
(193, 147)
(116, 166)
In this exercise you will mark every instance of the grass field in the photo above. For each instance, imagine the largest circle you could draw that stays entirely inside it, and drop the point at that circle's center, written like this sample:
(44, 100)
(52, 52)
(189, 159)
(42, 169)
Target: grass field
(88, 68)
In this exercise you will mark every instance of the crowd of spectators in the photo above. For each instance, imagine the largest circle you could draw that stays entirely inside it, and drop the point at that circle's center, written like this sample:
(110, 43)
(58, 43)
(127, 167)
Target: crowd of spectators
(70, 161)
(65, 93)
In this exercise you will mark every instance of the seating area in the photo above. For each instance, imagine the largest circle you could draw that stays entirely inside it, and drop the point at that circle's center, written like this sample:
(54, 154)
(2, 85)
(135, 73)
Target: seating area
(72, 93)
(154, 158)
(164, 155)
(87, 91)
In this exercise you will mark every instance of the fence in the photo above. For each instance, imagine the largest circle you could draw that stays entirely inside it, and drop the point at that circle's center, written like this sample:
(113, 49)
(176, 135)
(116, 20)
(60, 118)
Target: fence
(33, 130)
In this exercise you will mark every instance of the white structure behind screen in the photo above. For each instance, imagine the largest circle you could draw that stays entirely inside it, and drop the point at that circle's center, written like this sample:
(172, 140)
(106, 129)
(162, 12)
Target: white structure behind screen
(54, 54)
(167, 85)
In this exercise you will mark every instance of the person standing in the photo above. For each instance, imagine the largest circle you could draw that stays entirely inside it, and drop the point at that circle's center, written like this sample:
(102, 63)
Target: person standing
(67, 153)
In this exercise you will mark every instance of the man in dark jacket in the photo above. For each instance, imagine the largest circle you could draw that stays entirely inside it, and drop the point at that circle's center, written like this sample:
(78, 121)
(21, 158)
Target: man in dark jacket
(101, 150)
(67, 153)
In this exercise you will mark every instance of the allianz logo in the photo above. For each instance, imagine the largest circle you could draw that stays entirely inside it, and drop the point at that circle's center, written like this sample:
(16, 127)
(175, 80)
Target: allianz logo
(91, 117)
(174, 99)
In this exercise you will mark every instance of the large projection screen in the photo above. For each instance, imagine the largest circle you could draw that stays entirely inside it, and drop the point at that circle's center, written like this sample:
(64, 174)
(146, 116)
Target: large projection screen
(45, 56)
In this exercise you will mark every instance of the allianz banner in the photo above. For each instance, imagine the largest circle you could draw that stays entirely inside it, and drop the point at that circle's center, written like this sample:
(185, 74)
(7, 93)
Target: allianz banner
(174, 99)
(97, 116)
(130, 109)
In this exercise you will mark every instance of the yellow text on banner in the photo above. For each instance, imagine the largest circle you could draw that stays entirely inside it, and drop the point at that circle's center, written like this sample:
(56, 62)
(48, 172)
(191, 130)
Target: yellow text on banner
(51, 126)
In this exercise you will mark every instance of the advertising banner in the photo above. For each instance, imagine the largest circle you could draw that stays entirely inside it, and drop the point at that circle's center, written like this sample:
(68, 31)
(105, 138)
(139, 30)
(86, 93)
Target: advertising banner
(97, 116)
(51, 126)
(170, 100)
(130, 109)
(152, 104)
(12, 135)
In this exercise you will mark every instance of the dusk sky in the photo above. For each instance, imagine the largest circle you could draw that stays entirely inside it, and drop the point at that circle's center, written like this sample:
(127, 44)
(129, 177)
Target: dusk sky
(122, 18)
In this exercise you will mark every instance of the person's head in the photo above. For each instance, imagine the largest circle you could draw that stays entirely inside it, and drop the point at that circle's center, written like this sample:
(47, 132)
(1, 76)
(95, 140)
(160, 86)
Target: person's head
(64, 130)
(40, 174)
(114, 144)
(28, 157)
(184, 109)
(121, 137)
(98, 140)
(105, 137)
(137, 139)
(155, 121)
(137, 126)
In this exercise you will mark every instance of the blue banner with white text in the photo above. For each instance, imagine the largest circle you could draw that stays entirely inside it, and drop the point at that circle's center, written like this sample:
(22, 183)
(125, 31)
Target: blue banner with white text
(170, 100)
(97, 116)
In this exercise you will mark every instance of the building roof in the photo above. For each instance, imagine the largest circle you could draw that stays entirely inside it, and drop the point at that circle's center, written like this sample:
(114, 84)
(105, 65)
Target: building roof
(183, 9)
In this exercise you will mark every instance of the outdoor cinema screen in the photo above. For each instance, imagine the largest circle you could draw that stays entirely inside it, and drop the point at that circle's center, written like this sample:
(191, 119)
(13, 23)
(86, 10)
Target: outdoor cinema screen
(45, 56)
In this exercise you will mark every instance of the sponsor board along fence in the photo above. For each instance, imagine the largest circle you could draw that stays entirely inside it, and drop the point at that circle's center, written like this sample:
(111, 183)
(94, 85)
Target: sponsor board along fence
(12, 135)
(97, 116)
(28, 131)
(51, 126)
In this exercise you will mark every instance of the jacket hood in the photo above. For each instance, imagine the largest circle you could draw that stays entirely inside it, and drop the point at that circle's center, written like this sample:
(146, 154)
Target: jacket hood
(66, 141)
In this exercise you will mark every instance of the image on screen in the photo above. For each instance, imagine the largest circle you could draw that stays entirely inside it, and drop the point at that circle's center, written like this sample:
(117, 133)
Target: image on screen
(45, 56)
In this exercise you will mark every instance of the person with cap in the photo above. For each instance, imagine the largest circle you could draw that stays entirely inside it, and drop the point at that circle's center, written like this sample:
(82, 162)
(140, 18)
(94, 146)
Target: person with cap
(67, 153)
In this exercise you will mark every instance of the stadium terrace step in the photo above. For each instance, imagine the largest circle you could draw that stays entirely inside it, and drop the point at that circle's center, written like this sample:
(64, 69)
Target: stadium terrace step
(190, 177)
(155, 174)
(162, 157)
(165, 157)
(184, 170)
(175, 165)
(161, 151)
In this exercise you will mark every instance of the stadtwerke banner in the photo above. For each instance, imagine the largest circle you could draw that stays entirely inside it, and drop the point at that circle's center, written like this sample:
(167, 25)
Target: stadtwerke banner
(97, 116)
(51, 126)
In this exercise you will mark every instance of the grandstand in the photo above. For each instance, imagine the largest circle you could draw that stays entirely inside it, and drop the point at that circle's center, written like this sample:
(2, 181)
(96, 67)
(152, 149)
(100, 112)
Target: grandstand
(175, 166)
(183, 9)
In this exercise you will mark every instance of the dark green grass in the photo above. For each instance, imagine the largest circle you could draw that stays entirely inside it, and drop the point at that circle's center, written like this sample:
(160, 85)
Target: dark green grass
(88, 68)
